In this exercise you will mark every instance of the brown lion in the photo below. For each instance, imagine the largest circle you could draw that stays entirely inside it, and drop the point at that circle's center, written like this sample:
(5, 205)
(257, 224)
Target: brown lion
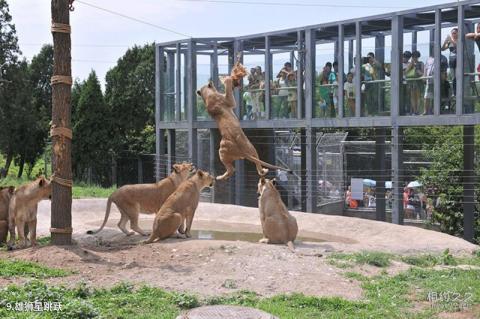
(234, 144)
(180, 207)
(6, 194)
(132, 200)
(23, 210)
(278, 225)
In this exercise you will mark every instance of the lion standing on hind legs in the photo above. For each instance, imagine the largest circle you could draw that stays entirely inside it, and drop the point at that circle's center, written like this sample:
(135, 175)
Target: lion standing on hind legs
(234, 144)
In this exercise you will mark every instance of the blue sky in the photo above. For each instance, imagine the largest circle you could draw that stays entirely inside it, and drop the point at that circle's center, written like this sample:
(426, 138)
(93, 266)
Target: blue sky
(100, 38)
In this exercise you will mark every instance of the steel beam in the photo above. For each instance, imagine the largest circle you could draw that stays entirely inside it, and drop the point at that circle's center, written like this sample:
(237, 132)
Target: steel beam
(171, 150)
(300, 69)
(191, 107)
(237, 51)
(397, 172)
(380, 173)
(341, 62)
(358, 69)
(268, 78)
(178, 83)
(311, 165)
(460, 61)
(309, 73)
(159, 65)
(396, 72)
(469, 178)
(214, 66)
(437, 93)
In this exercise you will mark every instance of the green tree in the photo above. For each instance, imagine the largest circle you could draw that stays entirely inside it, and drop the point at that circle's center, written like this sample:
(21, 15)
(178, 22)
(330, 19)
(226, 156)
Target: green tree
(130, 93)
(443, 178)
(41, 70)
(8, 55)
(92, 132)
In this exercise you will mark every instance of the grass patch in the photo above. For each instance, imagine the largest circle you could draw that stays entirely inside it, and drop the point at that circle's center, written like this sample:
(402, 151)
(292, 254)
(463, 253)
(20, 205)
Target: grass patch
(82, 190)
(20, 268)
(377, 259)
(385, 297)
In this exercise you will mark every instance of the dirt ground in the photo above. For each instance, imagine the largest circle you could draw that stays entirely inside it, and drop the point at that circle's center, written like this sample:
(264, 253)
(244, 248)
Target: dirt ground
(212, 267)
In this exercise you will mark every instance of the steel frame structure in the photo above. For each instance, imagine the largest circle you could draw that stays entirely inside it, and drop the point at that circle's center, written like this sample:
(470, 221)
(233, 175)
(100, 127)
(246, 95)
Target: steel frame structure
(172, 56)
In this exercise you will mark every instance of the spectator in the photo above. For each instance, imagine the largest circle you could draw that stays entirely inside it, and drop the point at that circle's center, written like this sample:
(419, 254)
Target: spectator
(414, 71)
(323, 89)
(255, 81)
(349, 88)
(287, 68)
(404, 92)
(475, 36)
(428, 94)
(283, 94)
(450, 43)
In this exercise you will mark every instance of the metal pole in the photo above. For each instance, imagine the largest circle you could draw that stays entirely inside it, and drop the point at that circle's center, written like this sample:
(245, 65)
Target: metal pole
(460, 61)
(397, 71)
(358, 70)
(178, 82)
(397, 170)
(341, 63)
(268, 78)
(469, 177)
(191, 61)
(300, 68)
(159, 107)
(437, 76)
(309, 74)
(311, 163)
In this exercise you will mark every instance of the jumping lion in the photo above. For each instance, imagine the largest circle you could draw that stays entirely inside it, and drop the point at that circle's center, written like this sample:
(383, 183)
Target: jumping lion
(234, 144)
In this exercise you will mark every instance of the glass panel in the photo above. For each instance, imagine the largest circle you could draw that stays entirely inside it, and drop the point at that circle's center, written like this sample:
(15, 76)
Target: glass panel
(222, 71)
(203, 76)
(448, 69)
(283, 87)
(425, 43)
(325, 81)
(253, 91)
(169, 89)
(384, 86)
(349, 85)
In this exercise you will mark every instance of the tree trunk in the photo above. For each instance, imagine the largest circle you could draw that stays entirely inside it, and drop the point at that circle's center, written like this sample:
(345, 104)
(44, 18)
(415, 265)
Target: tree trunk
(8, 162)
(21, 165)
(61, 117)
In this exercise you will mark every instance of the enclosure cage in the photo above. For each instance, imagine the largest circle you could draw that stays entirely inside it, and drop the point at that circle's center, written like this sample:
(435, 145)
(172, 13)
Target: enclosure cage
(287, 89)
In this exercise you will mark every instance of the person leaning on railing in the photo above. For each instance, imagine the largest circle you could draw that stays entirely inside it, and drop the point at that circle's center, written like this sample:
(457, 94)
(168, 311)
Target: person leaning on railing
(450, 43)
(413, 73)
(475, 36)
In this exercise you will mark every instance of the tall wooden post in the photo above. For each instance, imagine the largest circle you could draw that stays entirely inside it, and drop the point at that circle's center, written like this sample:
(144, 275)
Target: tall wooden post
(61, 217)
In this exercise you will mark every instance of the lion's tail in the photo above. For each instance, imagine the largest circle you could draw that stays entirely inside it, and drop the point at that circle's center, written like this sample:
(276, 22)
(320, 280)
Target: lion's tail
(291, 246)
(259, 161)
(107, 213)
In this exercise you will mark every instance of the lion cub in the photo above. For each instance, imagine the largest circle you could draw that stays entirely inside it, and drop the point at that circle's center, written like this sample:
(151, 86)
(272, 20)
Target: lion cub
(132, 200)
(279, 227)
(23, 210)
(180, 206)
(5, 196)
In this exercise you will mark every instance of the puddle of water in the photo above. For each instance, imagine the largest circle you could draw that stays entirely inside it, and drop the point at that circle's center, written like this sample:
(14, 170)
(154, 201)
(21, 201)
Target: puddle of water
(233, 236)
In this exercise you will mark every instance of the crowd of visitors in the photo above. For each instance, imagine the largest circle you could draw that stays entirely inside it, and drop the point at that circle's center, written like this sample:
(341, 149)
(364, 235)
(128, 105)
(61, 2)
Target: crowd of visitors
(417, 87)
